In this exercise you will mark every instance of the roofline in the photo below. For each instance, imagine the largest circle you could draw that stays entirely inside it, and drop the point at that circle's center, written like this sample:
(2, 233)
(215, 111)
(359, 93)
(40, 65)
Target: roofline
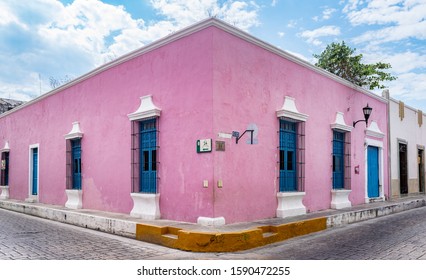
(406, 106)
(209, 22)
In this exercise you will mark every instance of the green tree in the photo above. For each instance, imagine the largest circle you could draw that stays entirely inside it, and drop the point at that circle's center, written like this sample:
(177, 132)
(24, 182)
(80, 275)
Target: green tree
(339, 59)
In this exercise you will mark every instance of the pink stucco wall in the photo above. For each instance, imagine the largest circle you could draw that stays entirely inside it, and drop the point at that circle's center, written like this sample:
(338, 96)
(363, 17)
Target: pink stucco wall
(250, 84)
(204, 83)
(179, 78)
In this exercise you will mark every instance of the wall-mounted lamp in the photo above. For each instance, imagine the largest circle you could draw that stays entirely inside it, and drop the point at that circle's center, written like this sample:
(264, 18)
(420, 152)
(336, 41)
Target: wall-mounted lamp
(367, 112)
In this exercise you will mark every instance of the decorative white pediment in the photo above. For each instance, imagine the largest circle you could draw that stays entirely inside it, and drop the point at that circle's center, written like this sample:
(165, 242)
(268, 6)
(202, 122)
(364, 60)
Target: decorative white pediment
(75, 132)
(146, 109)
(289, 110)
(373, 130)
(340, 123)
(6, 147)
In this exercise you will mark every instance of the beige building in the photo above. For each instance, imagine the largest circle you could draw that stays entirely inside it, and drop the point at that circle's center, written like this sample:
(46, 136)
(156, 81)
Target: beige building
(407, 141)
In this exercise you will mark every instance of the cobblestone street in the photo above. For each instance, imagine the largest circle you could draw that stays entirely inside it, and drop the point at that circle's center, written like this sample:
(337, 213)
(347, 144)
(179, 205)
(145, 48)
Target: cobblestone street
(24, 237)
(399, 236)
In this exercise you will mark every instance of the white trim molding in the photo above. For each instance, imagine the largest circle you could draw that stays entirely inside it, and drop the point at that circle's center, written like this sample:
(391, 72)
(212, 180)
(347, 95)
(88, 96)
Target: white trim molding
(75, 132)
(74, 199)
(146, 206)
(340, 124)
(146, 109)
(373, 130)
(4, 192)
(31, 197)
(340, 199)
(6, 147)
(289, 110)
(290, 204)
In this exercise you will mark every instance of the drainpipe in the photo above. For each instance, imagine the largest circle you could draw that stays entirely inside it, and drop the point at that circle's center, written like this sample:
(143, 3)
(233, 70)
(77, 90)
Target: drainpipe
(386, 95)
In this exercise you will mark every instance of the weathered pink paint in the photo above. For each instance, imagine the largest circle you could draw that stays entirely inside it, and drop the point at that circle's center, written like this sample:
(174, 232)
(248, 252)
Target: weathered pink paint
(206, 82)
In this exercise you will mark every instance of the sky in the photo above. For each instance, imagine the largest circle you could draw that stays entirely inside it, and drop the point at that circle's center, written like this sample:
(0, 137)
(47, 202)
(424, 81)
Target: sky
(60, 40)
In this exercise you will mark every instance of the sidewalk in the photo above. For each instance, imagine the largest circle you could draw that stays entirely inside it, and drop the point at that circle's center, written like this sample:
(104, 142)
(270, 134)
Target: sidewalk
(226, 238)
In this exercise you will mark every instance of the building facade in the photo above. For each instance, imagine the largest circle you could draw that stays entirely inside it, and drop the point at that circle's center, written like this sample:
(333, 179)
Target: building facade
(407, 146)
(207, 125)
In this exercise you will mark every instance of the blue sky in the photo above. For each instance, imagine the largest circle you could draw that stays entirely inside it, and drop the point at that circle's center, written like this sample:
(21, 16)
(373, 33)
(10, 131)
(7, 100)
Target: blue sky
(40, 39)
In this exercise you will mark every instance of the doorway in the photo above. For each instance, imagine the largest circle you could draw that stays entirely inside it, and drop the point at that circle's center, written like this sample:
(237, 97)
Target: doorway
(373, 172)
(403, 170)
(421, 168)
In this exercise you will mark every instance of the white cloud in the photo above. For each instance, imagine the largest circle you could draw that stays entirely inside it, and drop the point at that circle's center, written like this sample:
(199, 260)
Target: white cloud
(7, 17)
(292, 24)
(58, 40)
(281, 34)
(184, 12)
(326, 14)
(312, 36)
(391, 11)
(409, 86)
(274, 3)
(401, 63)
(393, 33)
(392, 26)
(402, 19)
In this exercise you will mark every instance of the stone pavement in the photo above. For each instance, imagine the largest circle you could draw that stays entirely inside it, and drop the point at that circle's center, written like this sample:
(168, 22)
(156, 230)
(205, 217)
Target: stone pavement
(226, 238)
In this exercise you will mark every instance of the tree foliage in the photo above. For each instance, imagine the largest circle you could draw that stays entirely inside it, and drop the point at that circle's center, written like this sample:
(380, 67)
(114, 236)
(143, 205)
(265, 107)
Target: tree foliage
(55, 82)
(339, 59)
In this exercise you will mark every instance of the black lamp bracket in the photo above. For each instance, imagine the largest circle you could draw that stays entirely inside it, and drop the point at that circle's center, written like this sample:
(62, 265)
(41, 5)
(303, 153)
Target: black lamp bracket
(237, 135)
(360, 121)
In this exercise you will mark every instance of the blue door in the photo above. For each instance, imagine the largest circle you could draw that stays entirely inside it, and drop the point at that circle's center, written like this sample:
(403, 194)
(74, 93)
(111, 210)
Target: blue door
(338, 156)
(76, 164)
(148, 156)
(34, 189)
(373, 171)
(288, 145)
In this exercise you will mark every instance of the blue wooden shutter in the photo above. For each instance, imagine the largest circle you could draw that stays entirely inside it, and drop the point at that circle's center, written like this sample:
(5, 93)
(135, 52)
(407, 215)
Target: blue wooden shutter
(76, 164)
(34, 190)
(148, 156)
(288, 149)
(338, 159)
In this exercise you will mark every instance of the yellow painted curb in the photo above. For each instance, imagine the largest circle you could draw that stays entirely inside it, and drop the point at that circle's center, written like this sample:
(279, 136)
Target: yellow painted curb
(177, 238)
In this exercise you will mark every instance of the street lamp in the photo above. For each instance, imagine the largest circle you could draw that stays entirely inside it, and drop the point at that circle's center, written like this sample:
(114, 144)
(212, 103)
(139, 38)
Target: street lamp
(367, 112)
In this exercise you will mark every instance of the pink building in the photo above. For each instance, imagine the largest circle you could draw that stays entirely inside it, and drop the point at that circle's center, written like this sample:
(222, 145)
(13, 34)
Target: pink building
(159, 133)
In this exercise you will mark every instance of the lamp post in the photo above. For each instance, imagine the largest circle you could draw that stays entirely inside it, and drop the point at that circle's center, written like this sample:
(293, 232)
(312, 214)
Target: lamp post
(367, 112)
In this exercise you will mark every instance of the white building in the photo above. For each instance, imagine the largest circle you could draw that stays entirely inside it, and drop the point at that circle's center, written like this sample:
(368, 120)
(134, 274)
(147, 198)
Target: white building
(407, 141)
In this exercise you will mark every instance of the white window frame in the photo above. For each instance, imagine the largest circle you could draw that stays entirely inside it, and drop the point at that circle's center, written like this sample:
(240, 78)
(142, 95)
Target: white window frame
(31, 197)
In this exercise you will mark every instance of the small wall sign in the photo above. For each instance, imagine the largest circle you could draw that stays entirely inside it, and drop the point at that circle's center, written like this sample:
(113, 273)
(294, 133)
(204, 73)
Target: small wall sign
(220, 146)
(204, 146)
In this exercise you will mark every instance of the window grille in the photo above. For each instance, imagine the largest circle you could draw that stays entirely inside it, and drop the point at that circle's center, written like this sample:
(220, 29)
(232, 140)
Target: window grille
(73, 164)
(144, 156)
(341, 160)
(5, 169)
(347, 155)
(68, 159)
(291, 155)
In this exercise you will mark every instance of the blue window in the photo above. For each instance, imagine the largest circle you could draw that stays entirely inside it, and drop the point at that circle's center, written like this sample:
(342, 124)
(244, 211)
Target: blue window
(5, 169)
(34, 174)
(148, 156)
(338, 160)
(73, 164)
(288, 149)
(76, 163)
